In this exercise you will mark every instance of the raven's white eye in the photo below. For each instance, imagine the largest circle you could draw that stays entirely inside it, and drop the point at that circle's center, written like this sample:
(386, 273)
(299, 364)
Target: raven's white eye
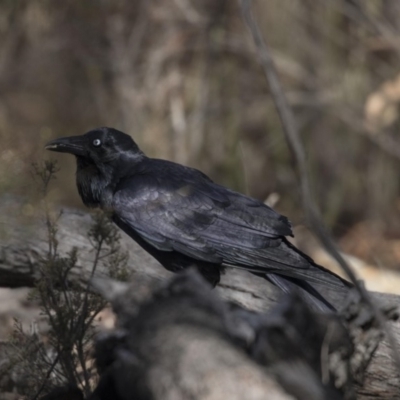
(96, 142)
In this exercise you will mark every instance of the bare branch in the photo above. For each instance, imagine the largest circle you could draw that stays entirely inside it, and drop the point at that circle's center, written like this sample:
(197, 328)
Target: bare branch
(298, 154)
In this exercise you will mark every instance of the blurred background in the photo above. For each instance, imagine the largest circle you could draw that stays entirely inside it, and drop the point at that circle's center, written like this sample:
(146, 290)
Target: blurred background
(183, 78)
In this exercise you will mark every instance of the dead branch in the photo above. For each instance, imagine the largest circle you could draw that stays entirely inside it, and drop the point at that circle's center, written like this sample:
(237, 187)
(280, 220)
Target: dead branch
(294, 143)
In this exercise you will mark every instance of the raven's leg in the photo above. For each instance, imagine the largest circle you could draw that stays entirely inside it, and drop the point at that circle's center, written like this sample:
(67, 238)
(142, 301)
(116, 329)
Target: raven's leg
(210, 272)
(177, 262)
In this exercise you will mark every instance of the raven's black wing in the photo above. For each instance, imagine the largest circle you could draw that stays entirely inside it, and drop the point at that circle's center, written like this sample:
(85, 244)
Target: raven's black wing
(186, 212)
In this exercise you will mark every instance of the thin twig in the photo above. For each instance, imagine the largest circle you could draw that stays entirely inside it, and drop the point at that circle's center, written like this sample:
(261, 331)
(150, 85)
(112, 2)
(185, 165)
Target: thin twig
(355, 10)
(84, 313)
(54, 363)
(296, 148)
(325, 348)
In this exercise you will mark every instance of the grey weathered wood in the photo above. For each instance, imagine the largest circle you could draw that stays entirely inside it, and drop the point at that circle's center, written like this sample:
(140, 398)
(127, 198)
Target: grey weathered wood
(22, 239)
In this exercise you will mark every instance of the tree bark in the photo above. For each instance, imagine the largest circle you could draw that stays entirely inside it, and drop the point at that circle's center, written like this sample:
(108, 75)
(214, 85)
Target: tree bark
(23, 239)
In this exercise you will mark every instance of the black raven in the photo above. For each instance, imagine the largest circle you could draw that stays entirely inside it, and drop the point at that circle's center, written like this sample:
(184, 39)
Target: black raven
(182, 218)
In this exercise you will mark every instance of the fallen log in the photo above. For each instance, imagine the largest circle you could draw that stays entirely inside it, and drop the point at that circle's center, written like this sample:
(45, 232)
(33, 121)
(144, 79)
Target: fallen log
(182, 341)
(23, 239)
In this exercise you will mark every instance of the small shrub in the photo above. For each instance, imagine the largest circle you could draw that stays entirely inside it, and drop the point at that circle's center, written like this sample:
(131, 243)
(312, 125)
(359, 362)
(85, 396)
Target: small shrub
(63, 356)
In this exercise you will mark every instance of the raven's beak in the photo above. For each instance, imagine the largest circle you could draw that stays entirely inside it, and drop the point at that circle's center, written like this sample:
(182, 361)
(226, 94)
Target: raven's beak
(73, 144)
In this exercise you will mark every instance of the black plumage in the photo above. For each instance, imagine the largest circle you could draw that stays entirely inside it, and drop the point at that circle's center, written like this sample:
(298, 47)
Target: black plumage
(182, 218)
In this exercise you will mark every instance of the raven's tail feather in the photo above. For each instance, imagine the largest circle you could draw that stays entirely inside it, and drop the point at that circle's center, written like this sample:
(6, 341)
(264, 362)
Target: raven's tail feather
(306, 290)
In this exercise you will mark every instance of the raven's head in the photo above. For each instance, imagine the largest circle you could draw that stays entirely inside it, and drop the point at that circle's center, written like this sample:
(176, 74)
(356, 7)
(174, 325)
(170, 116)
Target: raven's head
(99, 146)
(103, 155)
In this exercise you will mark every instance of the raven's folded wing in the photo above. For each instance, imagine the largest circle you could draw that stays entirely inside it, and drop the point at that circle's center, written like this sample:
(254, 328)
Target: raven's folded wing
(207, 222)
